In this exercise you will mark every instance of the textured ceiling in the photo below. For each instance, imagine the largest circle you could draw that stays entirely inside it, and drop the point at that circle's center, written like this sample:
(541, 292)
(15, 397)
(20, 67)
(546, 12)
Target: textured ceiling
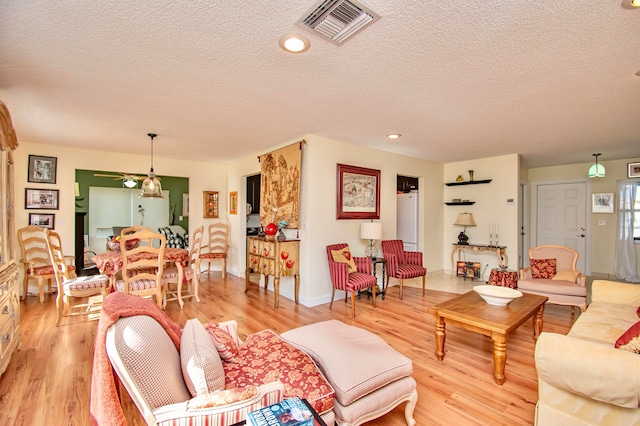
(552, 80)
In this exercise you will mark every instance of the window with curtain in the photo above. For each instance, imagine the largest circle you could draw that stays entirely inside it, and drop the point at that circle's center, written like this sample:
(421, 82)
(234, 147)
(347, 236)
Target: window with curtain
(636, 215)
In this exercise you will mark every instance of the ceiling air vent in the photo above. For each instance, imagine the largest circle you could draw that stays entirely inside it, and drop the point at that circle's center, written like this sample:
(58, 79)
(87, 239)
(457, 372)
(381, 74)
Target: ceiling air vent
(338, 20)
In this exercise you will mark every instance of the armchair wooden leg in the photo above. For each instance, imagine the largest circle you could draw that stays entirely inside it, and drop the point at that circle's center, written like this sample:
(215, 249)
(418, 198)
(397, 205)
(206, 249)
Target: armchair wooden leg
(353, 303)
(373, 291)
(424, 281)
(333, 293)
(401, 282)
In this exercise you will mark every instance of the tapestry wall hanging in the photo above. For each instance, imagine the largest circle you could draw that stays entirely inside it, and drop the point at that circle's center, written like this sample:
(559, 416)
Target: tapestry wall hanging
(280, 186)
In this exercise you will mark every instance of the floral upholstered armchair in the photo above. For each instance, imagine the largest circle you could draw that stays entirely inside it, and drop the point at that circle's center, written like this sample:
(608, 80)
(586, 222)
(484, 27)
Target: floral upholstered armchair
(201, 374)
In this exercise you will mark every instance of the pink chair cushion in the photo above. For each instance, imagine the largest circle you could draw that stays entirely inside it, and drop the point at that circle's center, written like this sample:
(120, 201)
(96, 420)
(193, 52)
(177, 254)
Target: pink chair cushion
(213, 255)
(47, 270)
(144, 284)
(92, 282)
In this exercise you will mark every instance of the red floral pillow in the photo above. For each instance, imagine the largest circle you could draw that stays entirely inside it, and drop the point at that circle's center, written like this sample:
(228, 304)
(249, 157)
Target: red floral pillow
(543, 268)
(630, 339)
(226, 346)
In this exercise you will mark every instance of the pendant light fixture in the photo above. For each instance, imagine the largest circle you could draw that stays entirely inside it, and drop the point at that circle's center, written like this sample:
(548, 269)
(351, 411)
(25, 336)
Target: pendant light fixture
(151, 187)
(597, 170)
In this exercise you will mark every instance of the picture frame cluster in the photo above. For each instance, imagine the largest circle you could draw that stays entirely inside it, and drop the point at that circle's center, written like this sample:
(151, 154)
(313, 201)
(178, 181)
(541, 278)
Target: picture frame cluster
(42, 169)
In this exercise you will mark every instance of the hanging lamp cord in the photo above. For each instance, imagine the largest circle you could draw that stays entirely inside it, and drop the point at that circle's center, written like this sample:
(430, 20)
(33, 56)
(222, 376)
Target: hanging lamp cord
(151, 135)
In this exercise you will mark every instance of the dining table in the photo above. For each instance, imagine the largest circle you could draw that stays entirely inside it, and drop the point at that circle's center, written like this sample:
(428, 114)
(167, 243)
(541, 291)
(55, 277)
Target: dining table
(110, 263)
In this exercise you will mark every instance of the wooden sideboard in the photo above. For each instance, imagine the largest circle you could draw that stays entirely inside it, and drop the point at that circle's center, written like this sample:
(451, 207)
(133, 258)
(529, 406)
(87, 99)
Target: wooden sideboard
(273, 258)
(10, 331)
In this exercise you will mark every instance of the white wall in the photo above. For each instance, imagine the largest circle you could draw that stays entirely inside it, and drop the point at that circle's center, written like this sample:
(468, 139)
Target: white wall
(319, 226)
(202, 177)
(490, 207)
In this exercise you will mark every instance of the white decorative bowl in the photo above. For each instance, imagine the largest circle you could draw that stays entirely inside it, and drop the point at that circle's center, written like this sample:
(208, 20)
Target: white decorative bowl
(497, 295)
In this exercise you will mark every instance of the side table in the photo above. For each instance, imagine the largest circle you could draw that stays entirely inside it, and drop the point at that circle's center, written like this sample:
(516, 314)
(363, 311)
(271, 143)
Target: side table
(503, 277)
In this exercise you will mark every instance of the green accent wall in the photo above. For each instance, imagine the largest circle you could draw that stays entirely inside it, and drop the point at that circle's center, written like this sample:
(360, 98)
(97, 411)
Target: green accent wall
(175, 185)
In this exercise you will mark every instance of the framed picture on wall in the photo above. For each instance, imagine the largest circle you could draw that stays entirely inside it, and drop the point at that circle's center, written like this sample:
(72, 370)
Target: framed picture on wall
(633, 170)
(45, 199)
(233, 202)
(358, 193)
(42, 169)
(43, 220)
(602, 203)
(210, 204)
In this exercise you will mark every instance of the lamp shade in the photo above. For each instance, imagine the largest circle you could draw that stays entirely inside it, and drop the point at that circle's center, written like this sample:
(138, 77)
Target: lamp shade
(151, 187)
(465, 219)
(597, 170)
(371, 231)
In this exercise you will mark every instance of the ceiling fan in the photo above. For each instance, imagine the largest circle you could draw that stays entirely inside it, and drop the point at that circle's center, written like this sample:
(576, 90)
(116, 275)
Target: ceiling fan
(129, 180)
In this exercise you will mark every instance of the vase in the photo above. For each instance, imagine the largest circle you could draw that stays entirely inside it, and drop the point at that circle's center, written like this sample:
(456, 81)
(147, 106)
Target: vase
(471, 175)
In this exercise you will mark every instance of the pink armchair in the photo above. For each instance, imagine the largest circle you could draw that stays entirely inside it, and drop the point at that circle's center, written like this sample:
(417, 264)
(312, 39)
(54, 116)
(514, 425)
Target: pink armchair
(553, 274)
(350, 282)
(403, 264)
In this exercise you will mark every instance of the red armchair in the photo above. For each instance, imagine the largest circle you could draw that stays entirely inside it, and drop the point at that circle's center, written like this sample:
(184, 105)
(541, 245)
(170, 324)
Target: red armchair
(350, 282)
(403, 264)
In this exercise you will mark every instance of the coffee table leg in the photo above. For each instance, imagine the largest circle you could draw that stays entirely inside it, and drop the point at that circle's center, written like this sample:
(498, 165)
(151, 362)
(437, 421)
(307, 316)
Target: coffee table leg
(538, 322)
(440, 336)
(499, 357)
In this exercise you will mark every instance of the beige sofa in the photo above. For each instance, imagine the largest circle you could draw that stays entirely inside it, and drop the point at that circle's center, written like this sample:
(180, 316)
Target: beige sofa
(582, 378)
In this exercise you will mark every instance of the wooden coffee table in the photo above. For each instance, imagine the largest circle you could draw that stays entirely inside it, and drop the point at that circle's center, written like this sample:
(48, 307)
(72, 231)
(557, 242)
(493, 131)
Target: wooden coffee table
(471, 312)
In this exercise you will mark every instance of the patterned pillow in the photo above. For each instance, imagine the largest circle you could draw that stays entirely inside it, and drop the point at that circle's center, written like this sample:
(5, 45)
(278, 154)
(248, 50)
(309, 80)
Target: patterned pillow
(566, 275)
(201, 366)
(543, 268)
(224, 343)
(344, 256)
(630, 339)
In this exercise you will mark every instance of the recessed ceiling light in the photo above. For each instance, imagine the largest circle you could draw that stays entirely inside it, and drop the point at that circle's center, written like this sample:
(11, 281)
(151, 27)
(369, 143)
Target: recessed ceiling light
(394, 136)
(631, 4)
(294, 43)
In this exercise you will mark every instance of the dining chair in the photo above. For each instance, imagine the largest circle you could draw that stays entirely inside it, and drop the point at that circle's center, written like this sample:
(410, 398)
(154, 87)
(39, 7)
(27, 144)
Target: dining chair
(35, 259)
(71, 287)
(142, 266)
(218, 246)
(137, 228)
(190, 273)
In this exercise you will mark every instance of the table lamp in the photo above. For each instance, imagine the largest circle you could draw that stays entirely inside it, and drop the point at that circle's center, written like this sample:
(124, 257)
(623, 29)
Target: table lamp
(464, 219)
(371, 231)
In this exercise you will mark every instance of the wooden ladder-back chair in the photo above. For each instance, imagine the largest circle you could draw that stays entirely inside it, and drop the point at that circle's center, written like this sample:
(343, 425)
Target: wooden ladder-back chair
(71, 287)
(142, 266)
(171, 275)
(218, 247)
(35, 259)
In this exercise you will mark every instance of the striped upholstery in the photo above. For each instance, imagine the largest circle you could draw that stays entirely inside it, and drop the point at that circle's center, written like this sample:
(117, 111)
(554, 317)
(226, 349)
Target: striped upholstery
(85, 286)
(172, 274)
(341, 279)
(201, 365)
(143, 284)
(403, 264)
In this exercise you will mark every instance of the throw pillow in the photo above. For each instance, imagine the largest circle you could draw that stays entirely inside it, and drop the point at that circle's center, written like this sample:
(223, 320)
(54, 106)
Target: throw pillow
(630, 339)
(224, 343)
(201, 366)
(543, 268)
(344, 256)
(566, 275)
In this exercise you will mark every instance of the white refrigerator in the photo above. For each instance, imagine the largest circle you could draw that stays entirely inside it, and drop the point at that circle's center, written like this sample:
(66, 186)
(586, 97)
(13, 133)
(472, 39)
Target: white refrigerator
(407, 220)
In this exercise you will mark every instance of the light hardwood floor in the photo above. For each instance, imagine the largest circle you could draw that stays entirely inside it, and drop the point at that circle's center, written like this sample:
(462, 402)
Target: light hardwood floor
(47, 381)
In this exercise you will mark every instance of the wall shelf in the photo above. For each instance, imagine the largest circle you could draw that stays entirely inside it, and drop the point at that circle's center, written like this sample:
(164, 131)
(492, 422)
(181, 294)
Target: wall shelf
(471, 182)
(464, 203)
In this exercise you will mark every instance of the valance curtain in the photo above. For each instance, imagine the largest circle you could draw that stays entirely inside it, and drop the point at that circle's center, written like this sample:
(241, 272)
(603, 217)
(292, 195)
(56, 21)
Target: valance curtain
(625, 257)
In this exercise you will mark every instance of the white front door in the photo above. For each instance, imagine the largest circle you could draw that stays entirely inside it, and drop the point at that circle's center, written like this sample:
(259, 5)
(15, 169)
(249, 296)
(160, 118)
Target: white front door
(562, 217)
